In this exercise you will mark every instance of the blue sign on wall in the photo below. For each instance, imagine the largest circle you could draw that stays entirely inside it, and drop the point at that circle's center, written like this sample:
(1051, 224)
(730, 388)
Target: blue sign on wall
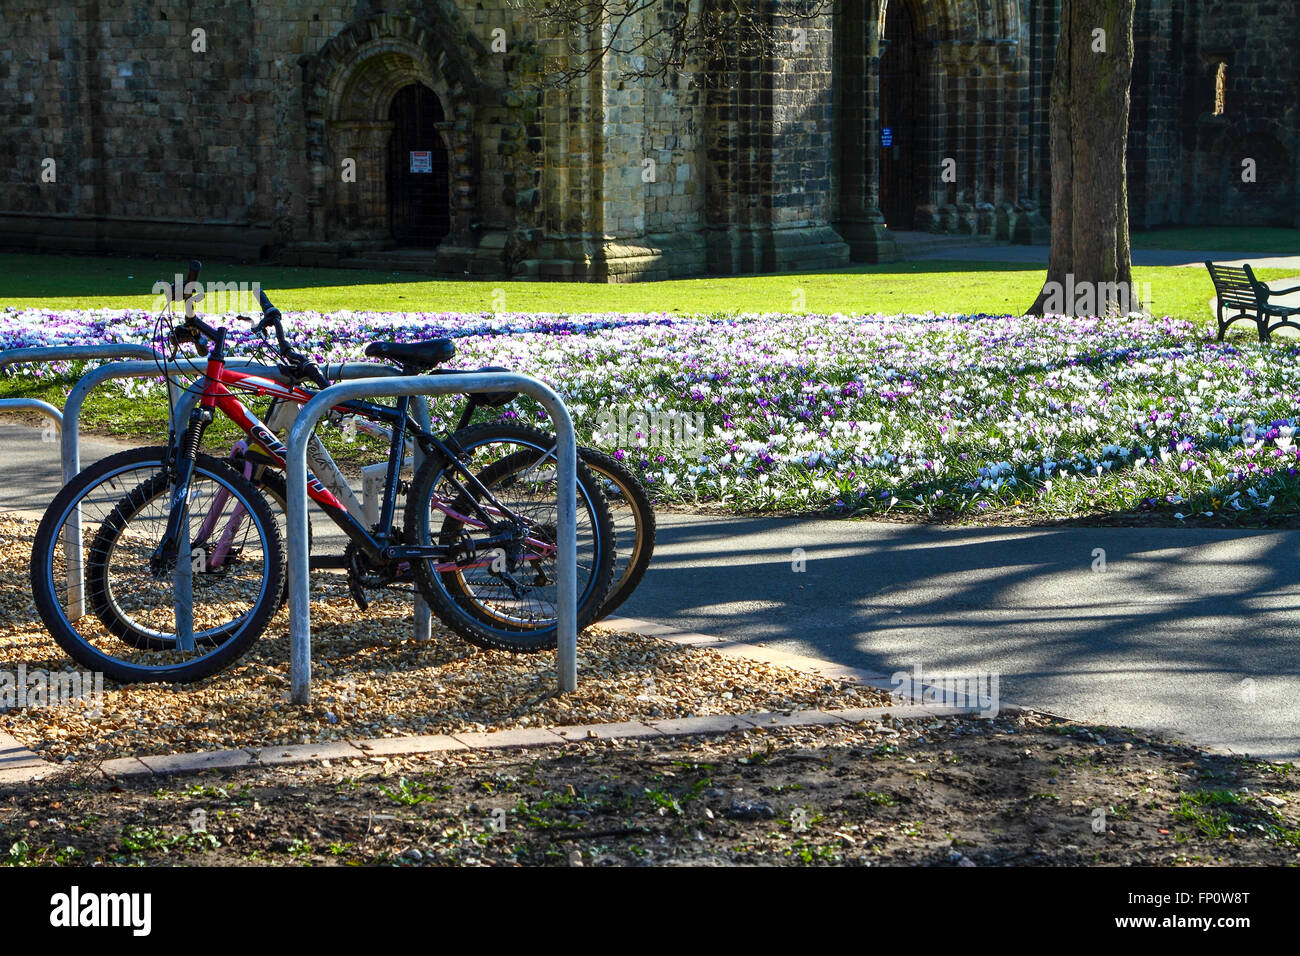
(887, 136)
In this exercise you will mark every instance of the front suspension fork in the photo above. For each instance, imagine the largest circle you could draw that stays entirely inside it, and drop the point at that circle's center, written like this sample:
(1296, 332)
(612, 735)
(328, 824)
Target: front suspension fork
(182, 468)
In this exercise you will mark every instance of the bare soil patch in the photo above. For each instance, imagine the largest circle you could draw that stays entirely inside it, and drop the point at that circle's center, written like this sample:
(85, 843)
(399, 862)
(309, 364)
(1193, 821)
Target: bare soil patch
(1015, 790)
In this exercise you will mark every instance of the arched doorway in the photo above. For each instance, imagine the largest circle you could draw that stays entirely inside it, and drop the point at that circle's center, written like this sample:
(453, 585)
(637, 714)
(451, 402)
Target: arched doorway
(902, 153)
(419, 195)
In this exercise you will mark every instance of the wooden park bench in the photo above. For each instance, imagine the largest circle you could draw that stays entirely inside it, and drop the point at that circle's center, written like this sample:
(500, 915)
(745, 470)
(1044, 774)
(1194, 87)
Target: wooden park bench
(1239, 289)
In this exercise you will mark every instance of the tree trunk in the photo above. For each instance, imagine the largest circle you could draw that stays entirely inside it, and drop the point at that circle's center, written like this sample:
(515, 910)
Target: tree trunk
(1089, 270)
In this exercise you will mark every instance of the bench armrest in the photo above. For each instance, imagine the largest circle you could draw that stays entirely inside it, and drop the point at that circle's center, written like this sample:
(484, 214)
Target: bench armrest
(1284, 291)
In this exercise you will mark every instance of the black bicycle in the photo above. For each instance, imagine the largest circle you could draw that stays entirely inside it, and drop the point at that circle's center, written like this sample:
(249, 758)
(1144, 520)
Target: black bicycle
(477, 446)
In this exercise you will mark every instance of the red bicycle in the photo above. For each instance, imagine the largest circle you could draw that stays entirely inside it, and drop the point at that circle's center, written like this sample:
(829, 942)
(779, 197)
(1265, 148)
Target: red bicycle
(176, 536)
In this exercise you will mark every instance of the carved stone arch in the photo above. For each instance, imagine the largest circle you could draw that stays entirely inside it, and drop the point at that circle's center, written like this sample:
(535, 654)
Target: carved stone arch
(348, 87)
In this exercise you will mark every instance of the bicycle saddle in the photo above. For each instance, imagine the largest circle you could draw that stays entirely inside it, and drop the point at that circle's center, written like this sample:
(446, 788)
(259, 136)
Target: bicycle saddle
(418, 355)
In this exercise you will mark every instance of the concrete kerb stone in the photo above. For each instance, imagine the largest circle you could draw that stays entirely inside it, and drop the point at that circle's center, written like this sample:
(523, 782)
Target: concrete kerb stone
(14, 755)
(131, 767)
(796, 718)
(860, 715)
(401, 746)
(172, 764)
(24, 774)
(18, 764)
(629, 729)
(196, 762)
(304, 753)
(690, 726)
(521, 737)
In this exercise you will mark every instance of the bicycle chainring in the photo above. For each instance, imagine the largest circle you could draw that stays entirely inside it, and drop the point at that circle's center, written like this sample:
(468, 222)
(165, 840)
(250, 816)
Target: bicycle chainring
(364, 576)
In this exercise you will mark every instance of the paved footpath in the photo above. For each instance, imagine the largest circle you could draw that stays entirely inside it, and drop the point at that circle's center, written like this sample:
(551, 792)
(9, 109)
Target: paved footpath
(1193, 632)
(31, 469)
(1187, 631)
(1141, 257)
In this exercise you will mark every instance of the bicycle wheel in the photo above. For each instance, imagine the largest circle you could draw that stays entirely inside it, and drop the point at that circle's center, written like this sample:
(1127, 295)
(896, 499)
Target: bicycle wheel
(634, 521)
(220, 530)
(122, 504)
(629, 504)
(502, 594)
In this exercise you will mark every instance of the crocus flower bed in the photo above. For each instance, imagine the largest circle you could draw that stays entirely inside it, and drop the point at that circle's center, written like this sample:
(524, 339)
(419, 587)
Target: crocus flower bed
(941, 415)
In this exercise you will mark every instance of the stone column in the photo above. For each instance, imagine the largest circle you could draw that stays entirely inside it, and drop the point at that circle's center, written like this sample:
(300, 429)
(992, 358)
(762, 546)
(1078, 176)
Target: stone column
(950, 148)
(1009, 136)
(860, 221)
(1040, 20)
(936, 101)
(738, 132)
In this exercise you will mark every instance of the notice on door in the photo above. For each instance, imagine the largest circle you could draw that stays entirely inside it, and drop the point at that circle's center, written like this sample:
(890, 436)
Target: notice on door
(421, 160)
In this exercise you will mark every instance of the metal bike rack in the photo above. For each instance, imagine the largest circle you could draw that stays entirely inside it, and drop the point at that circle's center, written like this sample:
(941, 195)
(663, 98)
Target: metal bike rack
(423, 385)
(45, 354)
(70, 445)
(360, 380)
(71, 453)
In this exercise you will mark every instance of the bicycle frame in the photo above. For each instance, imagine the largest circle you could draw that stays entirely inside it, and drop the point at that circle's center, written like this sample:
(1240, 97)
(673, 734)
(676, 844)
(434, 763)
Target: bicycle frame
(377, 544)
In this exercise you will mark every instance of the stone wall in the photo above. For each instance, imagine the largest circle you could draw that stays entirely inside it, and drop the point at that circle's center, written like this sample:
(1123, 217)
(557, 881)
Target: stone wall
(1156, 121)
(1261, 118)
(150, 142)
(744, 162)
(1185, 160)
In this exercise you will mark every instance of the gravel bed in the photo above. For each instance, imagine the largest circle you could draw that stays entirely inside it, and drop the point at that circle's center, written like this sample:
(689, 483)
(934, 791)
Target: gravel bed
(370, 679)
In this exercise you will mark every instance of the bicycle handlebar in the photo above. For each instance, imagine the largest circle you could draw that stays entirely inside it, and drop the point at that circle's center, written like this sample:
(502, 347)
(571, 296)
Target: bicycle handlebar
(301, 365)
(271, 318)
(192, 321)
(268, 310)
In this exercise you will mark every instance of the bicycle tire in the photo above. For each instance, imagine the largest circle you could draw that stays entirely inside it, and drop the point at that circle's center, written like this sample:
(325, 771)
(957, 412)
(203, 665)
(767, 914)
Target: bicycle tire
(452, 599)
(46, 592)
(269, 482)
(642, 548)
(627, 574)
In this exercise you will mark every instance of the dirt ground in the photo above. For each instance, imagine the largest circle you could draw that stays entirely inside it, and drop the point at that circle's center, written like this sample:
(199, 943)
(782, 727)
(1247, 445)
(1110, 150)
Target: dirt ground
(1020, 789)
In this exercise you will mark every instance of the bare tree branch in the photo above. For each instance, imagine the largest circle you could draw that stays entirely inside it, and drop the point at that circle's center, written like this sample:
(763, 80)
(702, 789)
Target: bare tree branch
(656, 39)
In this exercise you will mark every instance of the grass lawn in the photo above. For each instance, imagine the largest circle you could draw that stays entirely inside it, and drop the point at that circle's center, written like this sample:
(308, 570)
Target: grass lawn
(77, 282)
